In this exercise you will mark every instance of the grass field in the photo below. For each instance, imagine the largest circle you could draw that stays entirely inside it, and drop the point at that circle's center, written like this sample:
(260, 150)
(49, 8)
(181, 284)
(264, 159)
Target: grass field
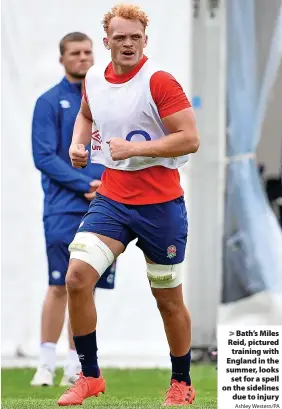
(125, 389)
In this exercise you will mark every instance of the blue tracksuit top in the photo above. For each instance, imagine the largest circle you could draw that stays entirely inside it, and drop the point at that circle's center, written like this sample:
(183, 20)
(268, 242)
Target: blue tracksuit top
(52, 126)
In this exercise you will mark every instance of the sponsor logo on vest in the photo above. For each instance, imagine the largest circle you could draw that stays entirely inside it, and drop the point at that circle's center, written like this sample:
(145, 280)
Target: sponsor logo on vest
(97, 138)
(138, 132)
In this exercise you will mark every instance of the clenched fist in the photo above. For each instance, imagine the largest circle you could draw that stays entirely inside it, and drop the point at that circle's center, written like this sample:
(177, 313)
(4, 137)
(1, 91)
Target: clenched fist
(78, 155)
(93, 187)
(121, 149)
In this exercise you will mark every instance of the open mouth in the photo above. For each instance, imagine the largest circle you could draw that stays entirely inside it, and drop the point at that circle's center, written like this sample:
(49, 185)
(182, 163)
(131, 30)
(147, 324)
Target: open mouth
(128, 53)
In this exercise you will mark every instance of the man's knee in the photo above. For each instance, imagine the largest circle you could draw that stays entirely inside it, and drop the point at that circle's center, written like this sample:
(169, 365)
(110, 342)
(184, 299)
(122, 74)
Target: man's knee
(80, 276)
(168, 303)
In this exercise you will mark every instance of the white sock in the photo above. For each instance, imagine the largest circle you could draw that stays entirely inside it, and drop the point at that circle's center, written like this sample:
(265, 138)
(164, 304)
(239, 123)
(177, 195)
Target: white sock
(47, 356)
(72, 365)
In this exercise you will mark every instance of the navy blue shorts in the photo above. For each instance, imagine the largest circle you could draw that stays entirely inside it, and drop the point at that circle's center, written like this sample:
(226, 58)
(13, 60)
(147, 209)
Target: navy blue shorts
(161, 228)
(59, 233)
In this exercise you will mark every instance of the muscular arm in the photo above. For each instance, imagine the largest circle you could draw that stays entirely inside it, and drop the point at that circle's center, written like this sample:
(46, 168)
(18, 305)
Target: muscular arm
(178, 118)
(183, 139)
(83, 125)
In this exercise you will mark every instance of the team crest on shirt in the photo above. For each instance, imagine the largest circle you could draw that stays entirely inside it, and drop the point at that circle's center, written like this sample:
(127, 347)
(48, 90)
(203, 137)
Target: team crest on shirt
(171, 251)
(65, 103)
(110, 278)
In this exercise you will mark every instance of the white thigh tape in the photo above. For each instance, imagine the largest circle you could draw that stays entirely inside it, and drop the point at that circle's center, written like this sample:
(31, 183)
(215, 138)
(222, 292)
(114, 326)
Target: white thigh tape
(162, 276)
(89, 248)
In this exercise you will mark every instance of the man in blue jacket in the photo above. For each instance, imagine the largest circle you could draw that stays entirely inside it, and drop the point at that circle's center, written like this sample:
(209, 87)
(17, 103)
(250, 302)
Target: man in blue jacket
(67, 195)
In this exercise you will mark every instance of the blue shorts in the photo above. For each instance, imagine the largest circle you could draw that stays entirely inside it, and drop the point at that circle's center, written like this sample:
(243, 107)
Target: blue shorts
(161, 228)
(59, 233)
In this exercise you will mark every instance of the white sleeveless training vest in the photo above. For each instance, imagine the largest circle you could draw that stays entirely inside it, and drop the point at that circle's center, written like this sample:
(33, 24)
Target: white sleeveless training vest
(126, 111)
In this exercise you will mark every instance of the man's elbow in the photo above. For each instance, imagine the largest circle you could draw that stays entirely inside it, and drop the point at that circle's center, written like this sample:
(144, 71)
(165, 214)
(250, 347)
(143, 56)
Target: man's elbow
(37, 161)
(42, 162)
(194, 144)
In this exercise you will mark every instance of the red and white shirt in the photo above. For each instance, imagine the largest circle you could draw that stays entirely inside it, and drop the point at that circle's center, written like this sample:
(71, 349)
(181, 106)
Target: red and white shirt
(132, 106)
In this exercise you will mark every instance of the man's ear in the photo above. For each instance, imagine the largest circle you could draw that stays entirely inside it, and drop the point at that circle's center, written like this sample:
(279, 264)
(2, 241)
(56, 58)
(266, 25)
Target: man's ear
(61, 60)
(106, 43)
(146, 41)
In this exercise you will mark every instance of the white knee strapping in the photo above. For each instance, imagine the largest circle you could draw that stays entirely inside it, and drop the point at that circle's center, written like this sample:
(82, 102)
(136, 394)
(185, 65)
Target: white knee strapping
(89, 248)
(162, 276)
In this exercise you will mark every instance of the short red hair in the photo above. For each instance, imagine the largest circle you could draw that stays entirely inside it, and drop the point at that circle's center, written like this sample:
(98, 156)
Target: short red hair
(127, 11)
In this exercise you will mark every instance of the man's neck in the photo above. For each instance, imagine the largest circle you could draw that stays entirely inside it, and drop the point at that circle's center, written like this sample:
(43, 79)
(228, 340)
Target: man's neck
(73, 80)
(121, 70)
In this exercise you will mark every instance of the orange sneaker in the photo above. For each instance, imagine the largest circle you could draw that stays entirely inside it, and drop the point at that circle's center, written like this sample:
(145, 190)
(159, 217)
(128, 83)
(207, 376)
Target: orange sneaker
(179, 394)
(83, 388)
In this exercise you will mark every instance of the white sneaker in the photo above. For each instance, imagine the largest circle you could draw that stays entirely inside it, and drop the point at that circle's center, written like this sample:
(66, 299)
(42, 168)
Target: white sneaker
(68, 380)
(43, 377)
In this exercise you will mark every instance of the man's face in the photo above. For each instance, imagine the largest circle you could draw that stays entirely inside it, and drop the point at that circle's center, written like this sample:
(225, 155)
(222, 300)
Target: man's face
(126, 39)
(77, 58)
